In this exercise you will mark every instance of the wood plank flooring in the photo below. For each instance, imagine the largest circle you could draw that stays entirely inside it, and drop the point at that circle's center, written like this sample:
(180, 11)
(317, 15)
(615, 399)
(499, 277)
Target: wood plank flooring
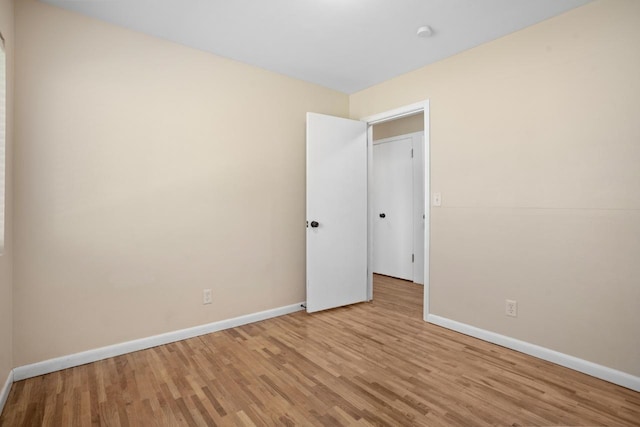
(368, 364)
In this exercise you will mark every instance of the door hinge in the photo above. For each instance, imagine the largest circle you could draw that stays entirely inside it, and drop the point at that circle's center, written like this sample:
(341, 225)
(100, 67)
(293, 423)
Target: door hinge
(413, 258)
(412, 153)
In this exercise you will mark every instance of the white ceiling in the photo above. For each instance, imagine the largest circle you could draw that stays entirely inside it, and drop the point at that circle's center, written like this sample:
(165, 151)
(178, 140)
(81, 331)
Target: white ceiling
(346, 45)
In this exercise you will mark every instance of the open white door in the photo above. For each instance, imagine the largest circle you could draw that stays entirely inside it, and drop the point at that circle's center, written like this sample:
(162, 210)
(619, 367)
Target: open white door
(336, 212)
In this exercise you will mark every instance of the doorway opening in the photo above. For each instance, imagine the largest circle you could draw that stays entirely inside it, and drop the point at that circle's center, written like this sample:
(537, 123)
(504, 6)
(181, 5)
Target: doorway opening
(398, 201)
(403, 121)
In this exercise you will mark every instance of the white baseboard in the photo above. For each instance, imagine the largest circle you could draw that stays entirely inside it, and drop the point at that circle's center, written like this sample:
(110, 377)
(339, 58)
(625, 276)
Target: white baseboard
(608, 374)
(4, 392)
(77, 359)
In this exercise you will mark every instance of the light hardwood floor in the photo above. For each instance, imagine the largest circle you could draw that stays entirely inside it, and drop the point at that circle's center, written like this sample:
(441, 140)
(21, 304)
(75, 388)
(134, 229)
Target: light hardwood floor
(368, 364)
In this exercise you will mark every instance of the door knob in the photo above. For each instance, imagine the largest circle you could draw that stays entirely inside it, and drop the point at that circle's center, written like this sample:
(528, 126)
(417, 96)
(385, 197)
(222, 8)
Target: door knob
(314, 224)
(382, 215)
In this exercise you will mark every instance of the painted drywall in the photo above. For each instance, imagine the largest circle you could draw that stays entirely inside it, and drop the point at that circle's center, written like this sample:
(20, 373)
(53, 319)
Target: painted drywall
(535, 149)
(402, 126)
(6, 282)
(146, 172)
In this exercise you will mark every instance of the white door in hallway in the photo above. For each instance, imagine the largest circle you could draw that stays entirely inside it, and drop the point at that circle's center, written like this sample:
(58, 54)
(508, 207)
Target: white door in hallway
(393, 237)
(336, 212)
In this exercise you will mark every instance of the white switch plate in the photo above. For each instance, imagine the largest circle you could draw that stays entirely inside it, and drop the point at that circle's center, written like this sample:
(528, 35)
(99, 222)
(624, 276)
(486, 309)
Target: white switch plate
(437, 199)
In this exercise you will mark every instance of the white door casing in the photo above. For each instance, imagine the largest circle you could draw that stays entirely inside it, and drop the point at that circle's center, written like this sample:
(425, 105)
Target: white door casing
(337, 209)
(419, 214)
(407, 110)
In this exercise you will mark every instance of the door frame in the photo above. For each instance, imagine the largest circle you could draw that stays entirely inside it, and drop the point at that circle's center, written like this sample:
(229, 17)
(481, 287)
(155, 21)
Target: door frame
(408, 110)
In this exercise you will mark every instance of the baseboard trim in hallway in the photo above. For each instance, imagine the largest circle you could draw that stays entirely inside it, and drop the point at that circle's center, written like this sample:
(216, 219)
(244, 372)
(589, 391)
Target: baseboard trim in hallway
(77, 359)
(599, 371)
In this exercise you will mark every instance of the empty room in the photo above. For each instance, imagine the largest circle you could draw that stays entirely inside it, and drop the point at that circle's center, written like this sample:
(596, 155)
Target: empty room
(320, 212)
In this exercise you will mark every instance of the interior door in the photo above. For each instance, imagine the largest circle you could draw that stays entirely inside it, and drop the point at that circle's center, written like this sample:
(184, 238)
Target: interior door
(393, 208)
(336, 212)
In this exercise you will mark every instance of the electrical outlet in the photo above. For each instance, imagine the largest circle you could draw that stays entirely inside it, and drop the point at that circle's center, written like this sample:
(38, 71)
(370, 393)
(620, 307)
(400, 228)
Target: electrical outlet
(511, 308)
(206, 296)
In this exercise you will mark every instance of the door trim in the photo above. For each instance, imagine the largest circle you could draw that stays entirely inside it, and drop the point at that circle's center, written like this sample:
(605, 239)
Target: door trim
(408, 110)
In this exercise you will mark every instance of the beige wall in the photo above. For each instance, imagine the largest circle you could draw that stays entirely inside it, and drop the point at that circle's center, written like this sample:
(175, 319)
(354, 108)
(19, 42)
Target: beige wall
(399, 127)
(535, 147)
(146, 172)
(6, 282)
